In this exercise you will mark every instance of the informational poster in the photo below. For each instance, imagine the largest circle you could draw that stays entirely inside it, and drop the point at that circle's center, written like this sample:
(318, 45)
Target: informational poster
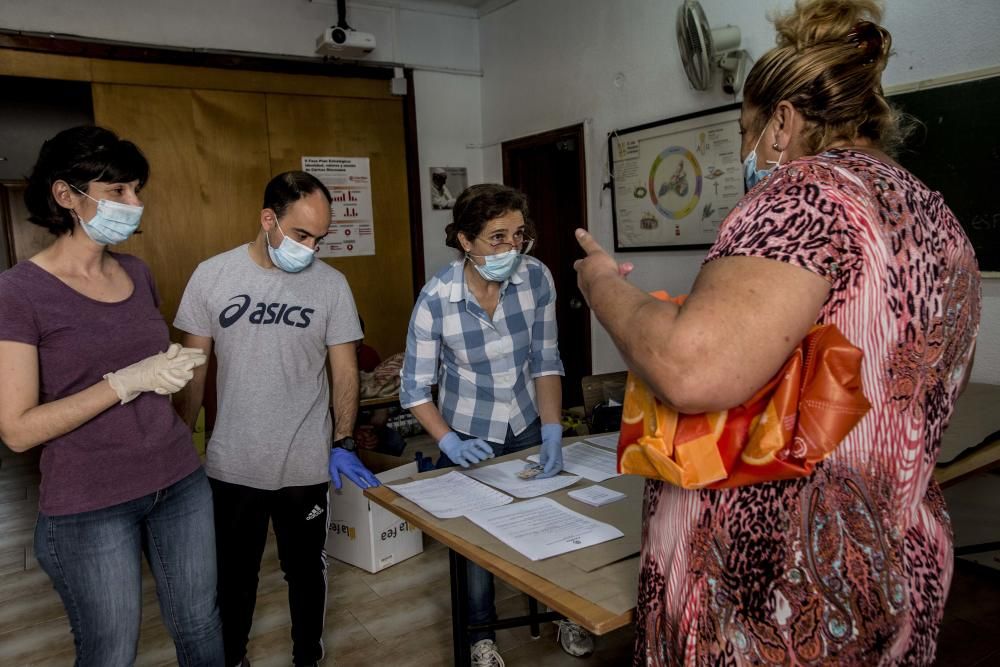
(352, 229)
(676, 180)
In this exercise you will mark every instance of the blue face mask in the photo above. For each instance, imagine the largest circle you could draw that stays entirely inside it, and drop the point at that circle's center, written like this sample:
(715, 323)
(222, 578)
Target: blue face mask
(751, 174)
(113, 223)
(499, 267)
(290, 255)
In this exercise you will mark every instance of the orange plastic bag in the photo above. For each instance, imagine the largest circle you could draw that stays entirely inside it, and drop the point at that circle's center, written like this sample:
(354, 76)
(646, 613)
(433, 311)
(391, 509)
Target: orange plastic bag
(793, 422)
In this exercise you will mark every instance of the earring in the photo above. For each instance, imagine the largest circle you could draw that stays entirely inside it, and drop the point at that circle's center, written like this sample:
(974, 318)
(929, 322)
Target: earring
(775, 146)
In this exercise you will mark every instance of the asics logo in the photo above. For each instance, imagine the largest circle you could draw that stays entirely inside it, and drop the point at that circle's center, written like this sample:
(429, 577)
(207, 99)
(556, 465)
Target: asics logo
(265, 313)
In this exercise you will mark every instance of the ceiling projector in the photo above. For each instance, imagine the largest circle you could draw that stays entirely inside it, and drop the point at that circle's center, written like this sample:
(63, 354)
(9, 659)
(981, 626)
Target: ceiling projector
(345, 43)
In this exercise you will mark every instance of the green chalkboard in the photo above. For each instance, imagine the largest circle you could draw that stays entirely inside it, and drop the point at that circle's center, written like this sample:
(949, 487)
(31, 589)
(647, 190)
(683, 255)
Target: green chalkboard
(957, 152)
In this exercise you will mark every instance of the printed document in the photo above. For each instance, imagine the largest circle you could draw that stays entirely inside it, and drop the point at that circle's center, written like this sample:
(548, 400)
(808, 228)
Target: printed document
(451, 495)
(606, 440)
(542, 528)
(504, 477)
(593, 463)
(596, 495)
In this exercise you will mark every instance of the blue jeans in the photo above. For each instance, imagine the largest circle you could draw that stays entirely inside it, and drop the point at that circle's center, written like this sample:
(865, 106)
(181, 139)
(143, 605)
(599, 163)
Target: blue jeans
(482, 607)
(94, 559)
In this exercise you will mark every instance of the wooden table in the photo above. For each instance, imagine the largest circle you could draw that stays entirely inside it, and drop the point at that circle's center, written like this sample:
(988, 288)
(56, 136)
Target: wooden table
(389, 401)
(971, 443)
(562, 602)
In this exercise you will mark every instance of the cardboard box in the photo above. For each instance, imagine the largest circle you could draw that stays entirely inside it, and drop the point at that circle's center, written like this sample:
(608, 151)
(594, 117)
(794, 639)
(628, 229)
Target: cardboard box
(366, 535)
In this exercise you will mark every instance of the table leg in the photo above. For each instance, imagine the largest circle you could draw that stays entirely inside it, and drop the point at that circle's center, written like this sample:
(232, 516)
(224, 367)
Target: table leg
(533, 613)
(459, 608)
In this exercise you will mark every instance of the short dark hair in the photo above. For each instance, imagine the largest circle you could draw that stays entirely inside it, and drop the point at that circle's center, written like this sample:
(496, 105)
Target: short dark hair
(78, 156)
(478, 204)
(288, 187)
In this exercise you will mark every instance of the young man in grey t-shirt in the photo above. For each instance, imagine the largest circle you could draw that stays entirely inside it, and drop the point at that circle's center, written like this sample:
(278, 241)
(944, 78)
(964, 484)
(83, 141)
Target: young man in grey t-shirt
(275, 317)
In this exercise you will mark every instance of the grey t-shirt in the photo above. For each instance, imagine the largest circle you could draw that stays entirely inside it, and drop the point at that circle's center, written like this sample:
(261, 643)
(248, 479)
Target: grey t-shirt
(271, 331)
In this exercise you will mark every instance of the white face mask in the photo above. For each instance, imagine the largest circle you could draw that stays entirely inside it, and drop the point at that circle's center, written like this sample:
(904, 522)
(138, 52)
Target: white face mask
(114, 221)
(751, 174)
(497, 268)
(290, 255)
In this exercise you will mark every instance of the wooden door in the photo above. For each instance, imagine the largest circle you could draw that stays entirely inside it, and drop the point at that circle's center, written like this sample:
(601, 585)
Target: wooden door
(550, 169)
(355, 127)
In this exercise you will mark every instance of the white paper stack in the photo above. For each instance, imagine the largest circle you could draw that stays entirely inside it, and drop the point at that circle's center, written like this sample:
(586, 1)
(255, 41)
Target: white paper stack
(593, 463)
(451, 495)
(606, 440)
(596, 495)
(542, 528)
(504, 477)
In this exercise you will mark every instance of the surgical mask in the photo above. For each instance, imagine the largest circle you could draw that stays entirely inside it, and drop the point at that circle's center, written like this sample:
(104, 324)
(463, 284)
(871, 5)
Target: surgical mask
(114, 221)
(290, 255)
(751, 174)
(499, 267)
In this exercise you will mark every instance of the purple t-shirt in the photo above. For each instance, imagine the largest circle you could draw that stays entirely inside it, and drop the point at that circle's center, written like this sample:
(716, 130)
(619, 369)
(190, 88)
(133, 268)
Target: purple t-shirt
(127, 451)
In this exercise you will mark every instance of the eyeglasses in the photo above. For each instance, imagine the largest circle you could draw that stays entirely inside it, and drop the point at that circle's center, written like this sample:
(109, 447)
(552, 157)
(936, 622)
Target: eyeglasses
(501, 243)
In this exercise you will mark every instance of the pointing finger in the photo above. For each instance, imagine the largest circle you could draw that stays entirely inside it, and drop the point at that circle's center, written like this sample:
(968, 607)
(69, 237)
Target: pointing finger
(587, 242)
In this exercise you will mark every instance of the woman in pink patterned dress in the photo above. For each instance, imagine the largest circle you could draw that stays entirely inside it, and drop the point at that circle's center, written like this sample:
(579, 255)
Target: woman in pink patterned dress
(850, 566)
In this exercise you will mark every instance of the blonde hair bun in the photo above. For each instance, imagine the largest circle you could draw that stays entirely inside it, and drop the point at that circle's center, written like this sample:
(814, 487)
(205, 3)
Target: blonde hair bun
(813, 22)
(828, 63)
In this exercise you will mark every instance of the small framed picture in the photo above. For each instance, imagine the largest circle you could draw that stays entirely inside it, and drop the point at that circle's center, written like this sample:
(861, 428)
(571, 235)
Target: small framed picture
(446, 184)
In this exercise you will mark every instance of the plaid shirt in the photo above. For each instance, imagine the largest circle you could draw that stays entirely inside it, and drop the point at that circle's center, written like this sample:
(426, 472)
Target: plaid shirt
(484, 369)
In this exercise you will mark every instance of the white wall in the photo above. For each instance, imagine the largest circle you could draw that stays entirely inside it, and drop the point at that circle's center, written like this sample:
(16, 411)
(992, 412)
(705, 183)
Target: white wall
(406, 35)
(563, 64)
(448, 119)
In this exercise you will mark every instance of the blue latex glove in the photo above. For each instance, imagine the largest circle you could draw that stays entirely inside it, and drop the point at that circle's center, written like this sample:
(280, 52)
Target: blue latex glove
(550, 456)
(343, 462)
(465, 452)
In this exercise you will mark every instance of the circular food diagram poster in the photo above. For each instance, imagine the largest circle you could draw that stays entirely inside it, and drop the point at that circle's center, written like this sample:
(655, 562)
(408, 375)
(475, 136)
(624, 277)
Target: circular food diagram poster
(675, 182)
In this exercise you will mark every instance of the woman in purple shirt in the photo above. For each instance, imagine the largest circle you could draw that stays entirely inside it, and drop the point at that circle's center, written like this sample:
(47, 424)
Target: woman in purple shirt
(88, 370)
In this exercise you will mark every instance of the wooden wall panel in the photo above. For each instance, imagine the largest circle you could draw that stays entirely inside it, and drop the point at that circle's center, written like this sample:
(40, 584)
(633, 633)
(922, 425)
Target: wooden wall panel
(159, 121)
(44, 65)
(233, 166)
(320, 126)
(100, 70)
(208, 166)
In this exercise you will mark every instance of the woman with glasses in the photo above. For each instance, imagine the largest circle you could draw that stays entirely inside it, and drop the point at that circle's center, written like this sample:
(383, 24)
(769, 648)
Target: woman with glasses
(484, 331)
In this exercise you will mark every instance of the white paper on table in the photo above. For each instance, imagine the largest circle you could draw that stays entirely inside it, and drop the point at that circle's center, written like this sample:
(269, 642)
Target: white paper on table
(594, 463)
(542, 528)
(596, 495)
(451, 495)
(606, 440)
(504, 477)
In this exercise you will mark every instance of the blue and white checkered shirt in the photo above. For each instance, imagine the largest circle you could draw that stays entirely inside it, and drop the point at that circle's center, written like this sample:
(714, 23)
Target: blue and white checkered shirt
(484, 368)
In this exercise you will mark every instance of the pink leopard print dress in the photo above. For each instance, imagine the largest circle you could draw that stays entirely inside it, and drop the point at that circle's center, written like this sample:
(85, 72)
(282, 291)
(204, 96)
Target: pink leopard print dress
(852, 565)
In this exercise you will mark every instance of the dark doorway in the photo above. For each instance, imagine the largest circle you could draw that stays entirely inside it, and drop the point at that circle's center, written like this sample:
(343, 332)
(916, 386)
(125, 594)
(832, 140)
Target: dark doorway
(550, 168)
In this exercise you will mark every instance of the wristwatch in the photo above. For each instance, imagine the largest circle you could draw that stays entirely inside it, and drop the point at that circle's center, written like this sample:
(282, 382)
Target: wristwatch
(346, 443)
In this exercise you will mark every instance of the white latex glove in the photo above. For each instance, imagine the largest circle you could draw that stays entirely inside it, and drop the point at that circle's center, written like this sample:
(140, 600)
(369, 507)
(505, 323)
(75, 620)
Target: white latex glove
(163, 373)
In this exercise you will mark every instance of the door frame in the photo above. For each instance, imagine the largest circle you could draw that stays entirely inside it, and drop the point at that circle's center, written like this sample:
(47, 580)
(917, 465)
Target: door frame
(576, 131)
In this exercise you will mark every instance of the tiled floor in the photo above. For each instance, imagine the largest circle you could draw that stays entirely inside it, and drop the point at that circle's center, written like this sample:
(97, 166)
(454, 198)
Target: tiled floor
(402, 616)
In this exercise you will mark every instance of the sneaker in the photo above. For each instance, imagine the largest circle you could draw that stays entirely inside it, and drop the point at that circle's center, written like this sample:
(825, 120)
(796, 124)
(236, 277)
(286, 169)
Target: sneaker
(485, 654)
(575, 640)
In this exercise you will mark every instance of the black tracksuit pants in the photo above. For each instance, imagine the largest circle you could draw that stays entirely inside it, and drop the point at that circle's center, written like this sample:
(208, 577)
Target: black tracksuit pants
(300, 518)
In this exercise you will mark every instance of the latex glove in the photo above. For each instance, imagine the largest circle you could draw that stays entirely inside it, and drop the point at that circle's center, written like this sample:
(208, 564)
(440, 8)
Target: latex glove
(464, 452)
(163, 373)
(550, 456)
(343, 462)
